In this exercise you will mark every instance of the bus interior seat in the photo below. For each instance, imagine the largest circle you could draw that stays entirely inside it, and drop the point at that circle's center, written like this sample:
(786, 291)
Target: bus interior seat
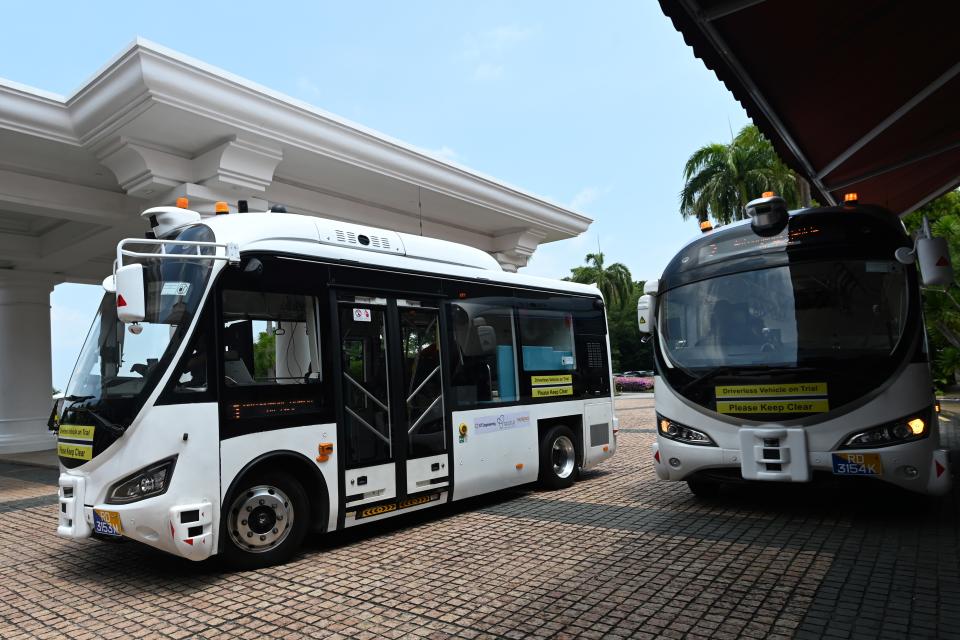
(235, 369)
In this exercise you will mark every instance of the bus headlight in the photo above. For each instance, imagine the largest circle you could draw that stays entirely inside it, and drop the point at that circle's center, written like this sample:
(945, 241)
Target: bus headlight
(148, 482)
(903, 430)
(682, 433)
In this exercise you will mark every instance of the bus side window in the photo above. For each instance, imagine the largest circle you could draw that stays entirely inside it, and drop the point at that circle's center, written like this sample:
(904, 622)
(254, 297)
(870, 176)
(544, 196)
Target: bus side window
(269, 339)
(483, 360)
(547, 340)
(190, 381)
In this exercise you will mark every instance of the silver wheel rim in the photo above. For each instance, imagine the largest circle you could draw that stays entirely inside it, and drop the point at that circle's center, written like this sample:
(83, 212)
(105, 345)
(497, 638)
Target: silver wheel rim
(564, 457)
(260, 519)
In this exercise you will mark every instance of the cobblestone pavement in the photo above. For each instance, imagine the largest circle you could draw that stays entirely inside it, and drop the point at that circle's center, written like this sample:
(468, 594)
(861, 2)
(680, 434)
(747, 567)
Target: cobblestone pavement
(618, 555)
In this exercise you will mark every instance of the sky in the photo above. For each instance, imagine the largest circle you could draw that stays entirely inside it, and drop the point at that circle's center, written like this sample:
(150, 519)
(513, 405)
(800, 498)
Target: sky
(594, 106)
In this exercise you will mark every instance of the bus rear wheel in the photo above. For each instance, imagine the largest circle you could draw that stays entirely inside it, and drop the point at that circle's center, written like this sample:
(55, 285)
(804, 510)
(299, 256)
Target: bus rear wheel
(558, 458)
(265, 520)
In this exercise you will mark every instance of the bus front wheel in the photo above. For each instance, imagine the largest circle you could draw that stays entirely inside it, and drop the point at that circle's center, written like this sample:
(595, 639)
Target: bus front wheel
(265, 520)
(558, 458)
(704, 489)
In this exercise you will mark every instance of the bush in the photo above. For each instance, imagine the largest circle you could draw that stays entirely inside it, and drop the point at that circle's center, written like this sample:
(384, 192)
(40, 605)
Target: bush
(623, 383)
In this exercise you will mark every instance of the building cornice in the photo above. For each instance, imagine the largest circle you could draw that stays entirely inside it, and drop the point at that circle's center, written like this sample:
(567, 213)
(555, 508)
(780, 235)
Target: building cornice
(146, 75)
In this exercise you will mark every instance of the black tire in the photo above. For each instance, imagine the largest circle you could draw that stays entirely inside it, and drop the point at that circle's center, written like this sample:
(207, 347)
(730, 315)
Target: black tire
(559, 459)
(704, 489)
(262, 539)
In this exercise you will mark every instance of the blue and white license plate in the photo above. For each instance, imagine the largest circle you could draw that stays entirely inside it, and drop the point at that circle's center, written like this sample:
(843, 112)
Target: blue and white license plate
(107, 523)
(857, 464)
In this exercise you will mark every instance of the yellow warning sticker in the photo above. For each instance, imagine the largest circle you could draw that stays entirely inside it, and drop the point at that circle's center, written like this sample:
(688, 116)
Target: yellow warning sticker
(75, 451)
(772, 390)
(376, 511)
(76, 431)
(551, 392)
(558, 379)
(773, 406)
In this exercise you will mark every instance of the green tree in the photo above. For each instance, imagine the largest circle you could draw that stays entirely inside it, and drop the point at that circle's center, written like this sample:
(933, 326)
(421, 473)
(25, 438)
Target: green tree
(941, 307)
(627, 351)
(614, 281)
(265, 355)
(720, 179)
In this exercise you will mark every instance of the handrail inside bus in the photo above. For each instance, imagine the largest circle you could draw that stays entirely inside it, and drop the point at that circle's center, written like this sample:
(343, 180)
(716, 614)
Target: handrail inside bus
(369, 426)
(425, 381)
(368, 394)
(424, 414)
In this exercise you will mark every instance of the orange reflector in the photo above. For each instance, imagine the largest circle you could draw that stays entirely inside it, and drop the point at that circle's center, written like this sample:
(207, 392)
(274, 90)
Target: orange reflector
(768, 194)
(606, 448)
(850, 197)
(183, 203)
(519, 466)
(706, 226)
(323, 458)
(936, 407)
(221, 207)
(325, 448)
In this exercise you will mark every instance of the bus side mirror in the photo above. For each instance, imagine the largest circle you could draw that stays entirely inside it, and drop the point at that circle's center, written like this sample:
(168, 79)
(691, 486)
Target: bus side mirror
(645, 308)
(131, 296)
(936, 269)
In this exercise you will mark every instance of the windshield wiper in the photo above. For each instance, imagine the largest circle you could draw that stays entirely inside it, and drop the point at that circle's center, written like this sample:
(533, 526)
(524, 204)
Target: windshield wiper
(73, 398)
(109, 426)
(732, 370)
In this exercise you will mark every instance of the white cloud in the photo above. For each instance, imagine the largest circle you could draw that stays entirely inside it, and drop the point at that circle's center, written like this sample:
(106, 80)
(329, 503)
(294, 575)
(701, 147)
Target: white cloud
(587, 196)
(487, 71)
(444, 153)
(308, 87)
(487, 51)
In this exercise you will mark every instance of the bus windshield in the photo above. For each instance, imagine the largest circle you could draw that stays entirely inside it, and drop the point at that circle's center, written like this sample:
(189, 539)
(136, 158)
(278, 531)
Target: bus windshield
(119, 364)
(804, 314)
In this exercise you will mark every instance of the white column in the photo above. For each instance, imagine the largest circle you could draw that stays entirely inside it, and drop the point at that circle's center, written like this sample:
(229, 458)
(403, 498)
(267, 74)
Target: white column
(25, 369)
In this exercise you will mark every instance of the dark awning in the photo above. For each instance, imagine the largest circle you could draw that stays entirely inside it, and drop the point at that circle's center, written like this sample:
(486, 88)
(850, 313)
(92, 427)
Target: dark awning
(857, 96)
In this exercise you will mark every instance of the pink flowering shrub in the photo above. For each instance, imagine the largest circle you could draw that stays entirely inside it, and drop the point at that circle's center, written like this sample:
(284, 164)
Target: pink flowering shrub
(623, 383)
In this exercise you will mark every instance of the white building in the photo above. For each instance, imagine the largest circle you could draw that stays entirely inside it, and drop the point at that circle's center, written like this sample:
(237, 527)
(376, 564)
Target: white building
(152, 125)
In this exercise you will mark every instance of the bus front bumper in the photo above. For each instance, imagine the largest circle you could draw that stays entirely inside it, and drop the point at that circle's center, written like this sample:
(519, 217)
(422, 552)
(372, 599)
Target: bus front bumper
(914, 466)
(185, 530)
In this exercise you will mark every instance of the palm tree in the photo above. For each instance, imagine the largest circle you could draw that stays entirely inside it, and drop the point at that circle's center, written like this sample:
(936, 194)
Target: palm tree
(720, 179)
(614, 282)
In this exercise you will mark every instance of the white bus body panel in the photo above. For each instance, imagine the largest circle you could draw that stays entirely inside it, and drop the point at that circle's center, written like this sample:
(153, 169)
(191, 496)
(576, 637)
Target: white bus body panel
(236, 453)
(808, 448)
(154, 521)
(501, 447)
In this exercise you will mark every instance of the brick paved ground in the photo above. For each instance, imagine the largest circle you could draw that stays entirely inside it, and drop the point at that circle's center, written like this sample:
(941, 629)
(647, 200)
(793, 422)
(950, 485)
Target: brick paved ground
(620, 554)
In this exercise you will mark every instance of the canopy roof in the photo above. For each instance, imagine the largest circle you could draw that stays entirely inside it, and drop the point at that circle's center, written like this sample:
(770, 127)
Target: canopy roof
(856, 96)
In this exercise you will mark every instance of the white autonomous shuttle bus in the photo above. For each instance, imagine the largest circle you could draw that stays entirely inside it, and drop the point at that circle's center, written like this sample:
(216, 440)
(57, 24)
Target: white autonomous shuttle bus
(792, 346)
(252, 377)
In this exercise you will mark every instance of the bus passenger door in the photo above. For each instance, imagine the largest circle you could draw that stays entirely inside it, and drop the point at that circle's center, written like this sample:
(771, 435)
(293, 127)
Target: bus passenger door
(368, 422)
(421, 395)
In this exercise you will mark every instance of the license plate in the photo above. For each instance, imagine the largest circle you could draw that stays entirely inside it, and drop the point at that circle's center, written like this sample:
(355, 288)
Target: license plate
(107, 523)
(857, 464)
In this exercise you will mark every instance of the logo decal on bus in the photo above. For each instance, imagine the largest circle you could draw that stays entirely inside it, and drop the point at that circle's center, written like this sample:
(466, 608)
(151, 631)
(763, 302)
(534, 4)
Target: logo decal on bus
(501, 422)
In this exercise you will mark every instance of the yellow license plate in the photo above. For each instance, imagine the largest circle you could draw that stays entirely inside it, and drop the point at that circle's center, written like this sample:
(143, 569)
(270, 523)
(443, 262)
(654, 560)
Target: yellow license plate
(107, 523)
(857, 464)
